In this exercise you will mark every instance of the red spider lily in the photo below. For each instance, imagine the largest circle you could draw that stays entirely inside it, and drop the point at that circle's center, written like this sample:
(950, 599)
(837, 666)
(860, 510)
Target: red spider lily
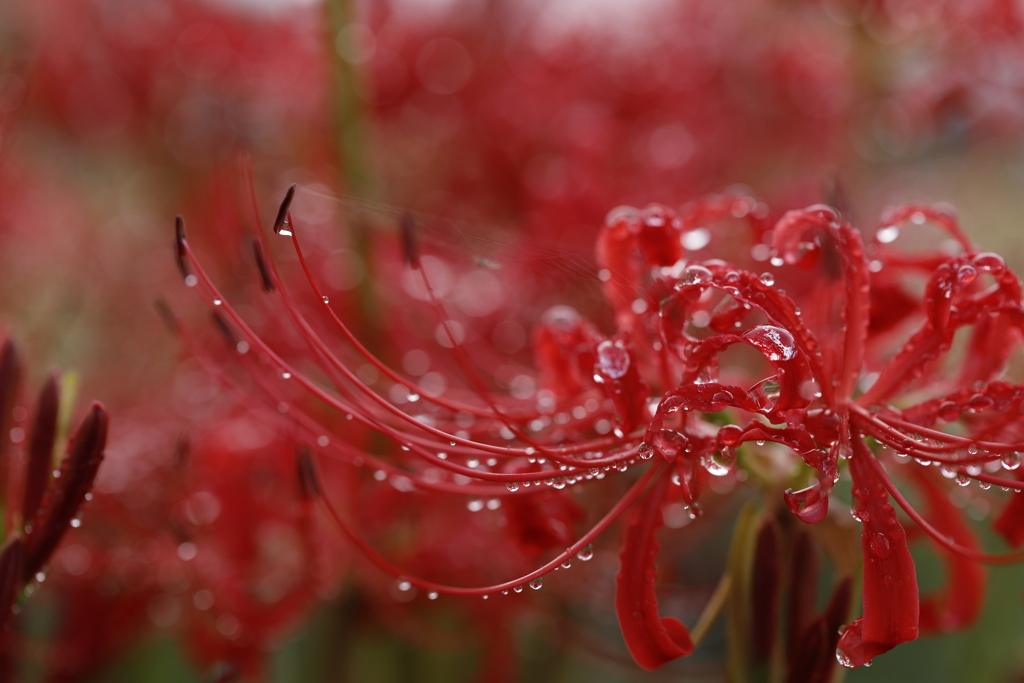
(820, 385)
(38, 507)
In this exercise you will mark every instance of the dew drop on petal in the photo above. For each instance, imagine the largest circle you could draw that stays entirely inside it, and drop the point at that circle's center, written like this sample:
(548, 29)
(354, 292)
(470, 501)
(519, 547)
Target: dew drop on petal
(775, 342)
(767, 279)
(696, 275)
(612, 359)
(1010, 460)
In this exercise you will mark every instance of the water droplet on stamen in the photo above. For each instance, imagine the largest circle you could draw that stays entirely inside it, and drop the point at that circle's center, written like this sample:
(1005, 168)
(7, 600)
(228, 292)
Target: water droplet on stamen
(586, 553)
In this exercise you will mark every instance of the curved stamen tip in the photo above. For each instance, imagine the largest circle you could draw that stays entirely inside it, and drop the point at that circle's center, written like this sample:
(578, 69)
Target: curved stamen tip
(282, 213)
(410, 247)
(179, 245)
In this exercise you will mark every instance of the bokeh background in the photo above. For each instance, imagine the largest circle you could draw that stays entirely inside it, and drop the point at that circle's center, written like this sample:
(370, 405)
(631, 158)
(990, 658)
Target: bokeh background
(507, 122)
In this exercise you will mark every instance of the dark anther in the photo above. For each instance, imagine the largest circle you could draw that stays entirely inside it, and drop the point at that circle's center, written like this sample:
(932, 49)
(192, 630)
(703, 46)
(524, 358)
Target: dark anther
(410, 248)
(261, 265)
(309, 482)
(179, 245)
(167, 315)
(222, 326)
(282, 213)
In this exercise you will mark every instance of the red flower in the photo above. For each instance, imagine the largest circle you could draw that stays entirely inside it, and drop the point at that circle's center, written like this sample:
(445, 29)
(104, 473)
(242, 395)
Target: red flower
(821, 384)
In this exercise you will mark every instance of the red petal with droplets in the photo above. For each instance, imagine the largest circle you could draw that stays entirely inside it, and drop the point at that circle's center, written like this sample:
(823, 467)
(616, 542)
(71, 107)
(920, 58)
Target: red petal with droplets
(652, 640)
(961, 601)
(891, 609)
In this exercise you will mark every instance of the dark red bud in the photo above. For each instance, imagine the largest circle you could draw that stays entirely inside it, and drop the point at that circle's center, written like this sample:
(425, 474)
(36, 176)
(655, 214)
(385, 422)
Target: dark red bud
(40, 451)
(765, 593)
(12, 558)
(68, 491)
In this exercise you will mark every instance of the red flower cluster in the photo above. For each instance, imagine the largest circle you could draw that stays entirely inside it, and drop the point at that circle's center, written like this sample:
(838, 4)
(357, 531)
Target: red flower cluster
(671, 392)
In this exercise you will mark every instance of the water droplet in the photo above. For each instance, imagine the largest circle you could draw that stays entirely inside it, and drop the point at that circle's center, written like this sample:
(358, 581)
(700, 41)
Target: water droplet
(475, 504)
(286, 375)
(767, 279)
(645, 451)
(566, 564)
(1010, 460)
(962, 480)
(432, 595)
(76, 522)
(537, 583)
(517, 589)
(696, 275)
(612, 359)
(586, 553)
(327, 301)
(775, 342)
(217, 302)
(403, 585)
(191, 281)
(888, 234)
(512, 486)
(880, 545)
(472, 463)
(413, 397)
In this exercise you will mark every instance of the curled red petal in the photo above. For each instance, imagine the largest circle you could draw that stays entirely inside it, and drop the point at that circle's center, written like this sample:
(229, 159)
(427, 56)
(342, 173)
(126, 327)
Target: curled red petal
(890, 595)
(960, 602)
(652, 640)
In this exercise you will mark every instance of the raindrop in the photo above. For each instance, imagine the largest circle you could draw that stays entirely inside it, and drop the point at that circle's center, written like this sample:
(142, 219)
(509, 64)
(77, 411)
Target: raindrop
(327, 301)
(512, 486)
(403, 585)
(217, 302)
(1010, 460)
(962, 480)
(517, 589)
(191, 281)
(767, 279)
(696, 275)
(645, 451)
(432, 595)
(537, 583)
(888, 234)
(586, 553)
